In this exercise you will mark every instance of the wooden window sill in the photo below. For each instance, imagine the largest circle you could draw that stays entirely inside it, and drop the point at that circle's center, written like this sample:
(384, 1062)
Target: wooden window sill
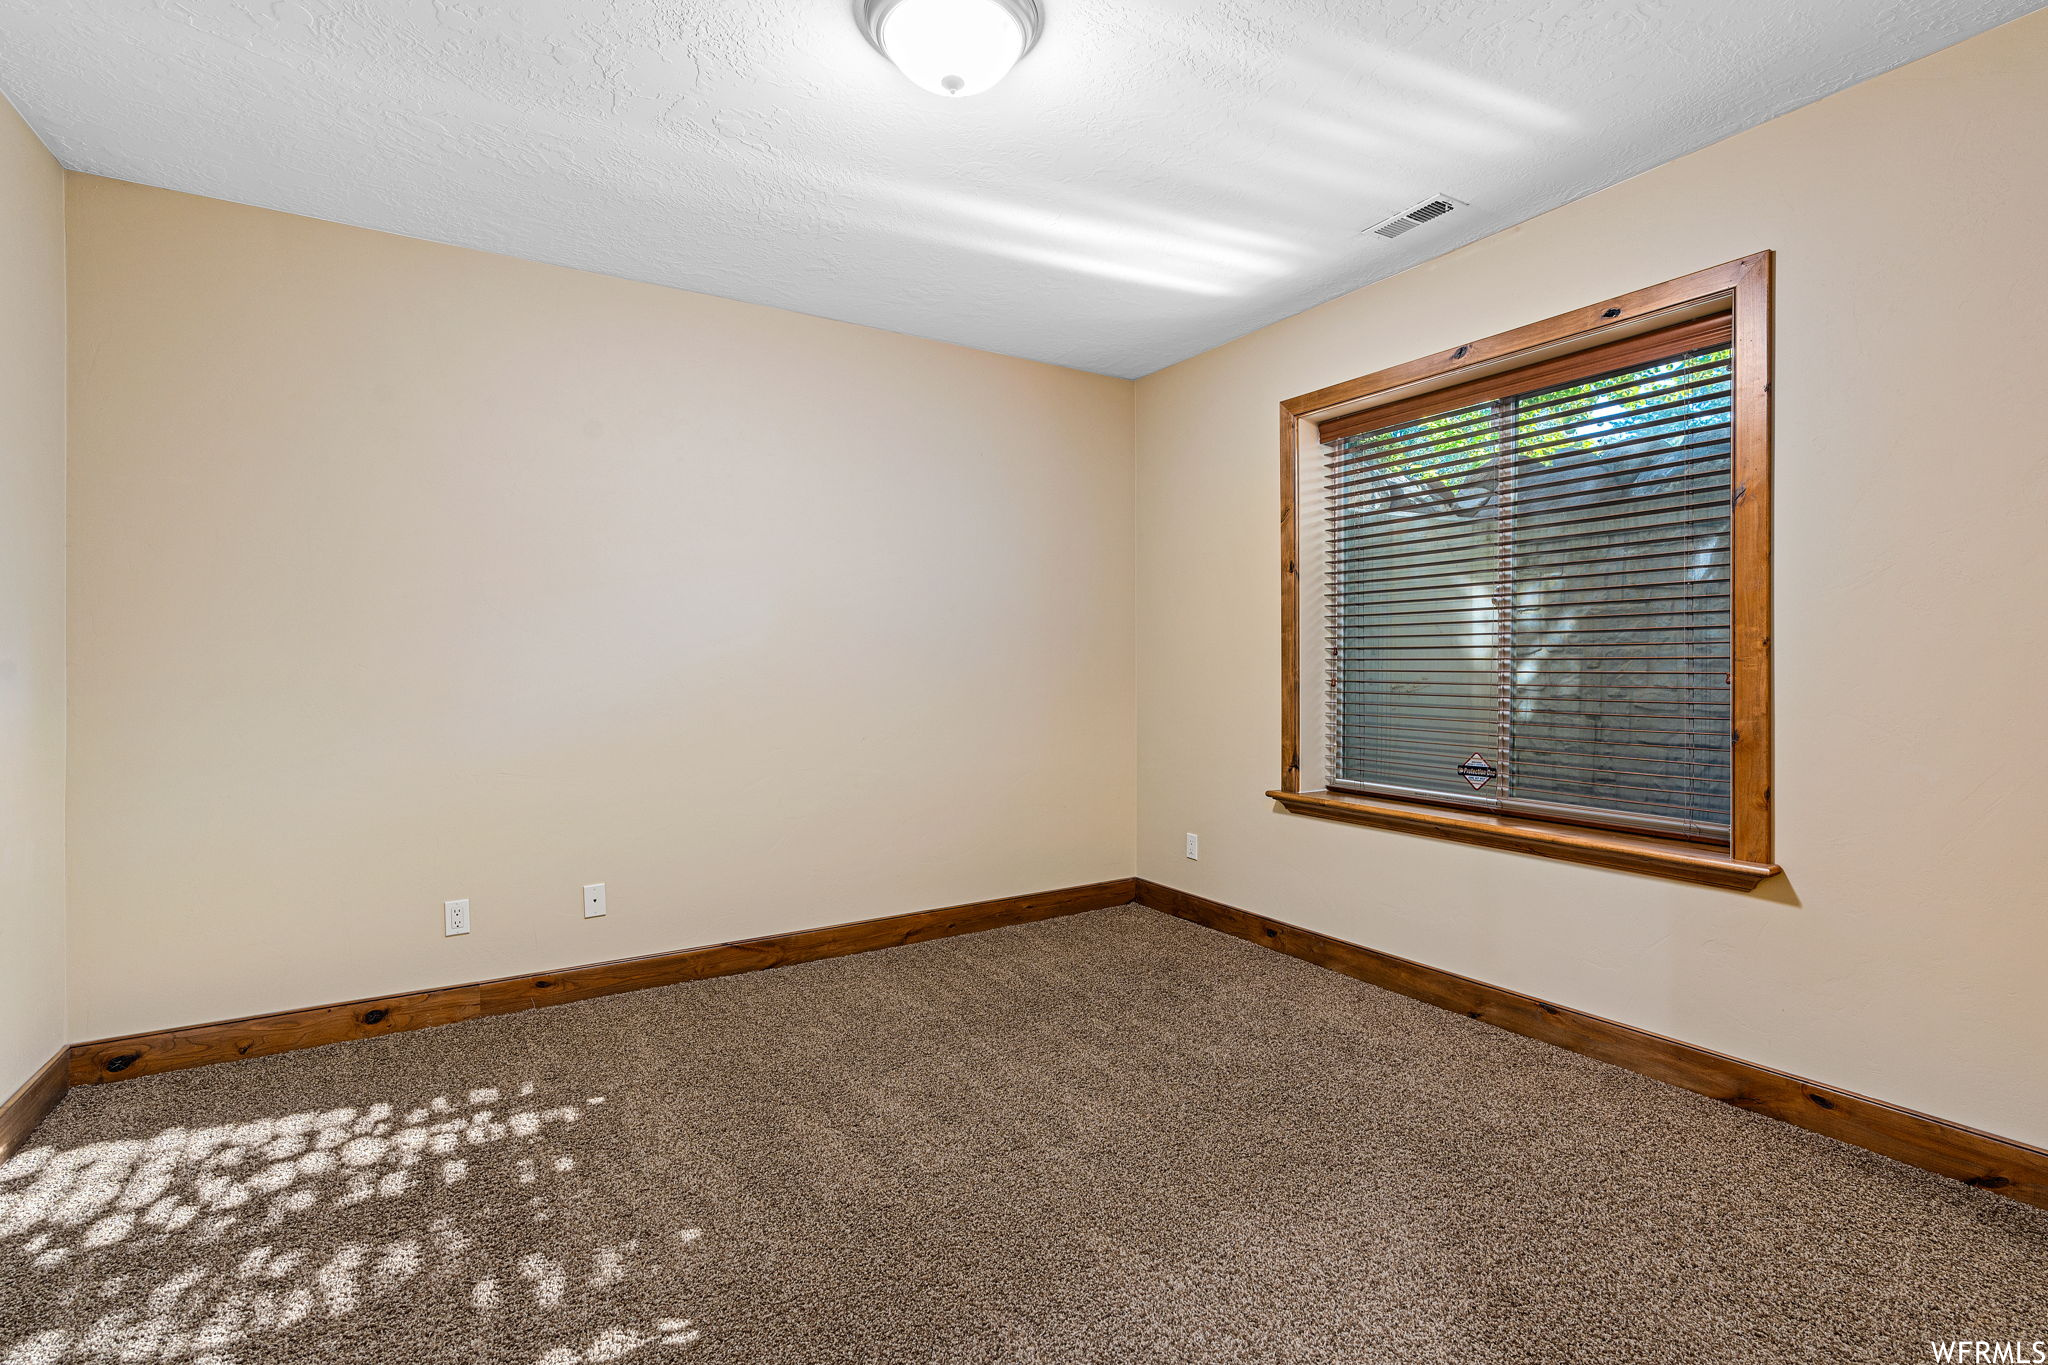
(1653, 857)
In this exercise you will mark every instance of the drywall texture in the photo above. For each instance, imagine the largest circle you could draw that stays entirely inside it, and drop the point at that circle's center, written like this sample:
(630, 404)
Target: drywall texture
(403, 572)
(1112, 205)
(31, 603)
(1904, 953)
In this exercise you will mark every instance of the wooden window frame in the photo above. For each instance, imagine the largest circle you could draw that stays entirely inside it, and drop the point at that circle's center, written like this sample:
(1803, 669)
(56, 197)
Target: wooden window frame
(1741, 289)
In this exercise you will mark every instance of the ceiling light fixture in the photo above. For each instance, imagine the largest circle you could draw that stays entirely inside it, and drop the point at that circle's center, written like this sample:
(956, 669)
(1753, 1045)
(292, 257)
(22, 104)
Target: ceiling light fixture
(951, 47)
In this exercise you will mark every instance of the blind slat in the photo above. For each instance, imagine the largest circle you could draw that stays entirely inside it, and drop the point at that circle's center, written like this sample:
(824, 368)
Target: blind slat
(1377, 523)
(1360, 615)
(1688, 532)
(1567, 625)
(1645, 791)
(1458, 469)
(1418, 580)
(1696, 406)
(1448, 434)
(1637, 764)
(1556, 712)
(1700, 335)
(1666, 741)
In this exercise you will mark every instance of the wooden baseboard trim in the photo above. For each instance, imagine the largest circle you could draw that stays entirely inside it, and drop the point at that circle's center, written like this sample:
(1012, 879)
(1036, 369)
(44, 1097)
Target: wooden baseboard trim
(145, 1054)
(1967, 1154)
(1977, 1158)
(31, 1104)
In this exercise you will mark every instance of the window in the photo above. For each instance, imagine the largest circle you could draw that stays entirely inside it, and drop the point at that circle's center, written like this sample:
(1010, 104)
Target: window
(1539, 573)
(1530, 603)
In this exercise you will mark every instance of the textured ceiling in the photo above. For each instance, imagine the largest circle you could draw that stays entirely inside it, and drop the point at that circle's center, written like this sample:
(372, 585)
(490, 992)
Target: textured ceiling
(1157, 177)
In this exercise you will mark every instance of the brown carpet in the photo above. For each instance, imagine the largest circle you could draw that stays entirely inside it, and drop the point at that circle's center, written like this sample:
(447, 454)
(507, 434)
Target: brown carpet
(1113, 1137)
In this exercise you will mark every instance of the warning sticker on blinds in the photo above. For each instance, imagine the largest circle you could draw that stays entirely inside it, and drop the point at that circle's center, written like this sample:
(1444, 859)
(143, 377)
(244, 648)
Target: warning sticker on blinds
(1477, 771)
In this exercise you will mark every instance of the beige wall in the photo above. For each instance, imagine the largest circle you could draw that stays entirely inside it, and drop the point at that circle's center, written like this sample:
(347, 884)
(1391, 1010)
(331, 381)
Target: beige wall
(403, 572)
(32, 1025)
(1905, 954)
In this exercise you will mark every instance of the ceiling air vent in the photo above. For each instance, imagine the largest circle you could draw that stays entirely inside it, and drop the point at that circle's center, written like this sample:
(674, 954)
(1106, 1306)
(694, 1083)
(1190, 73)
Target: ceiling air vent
(1423, 212)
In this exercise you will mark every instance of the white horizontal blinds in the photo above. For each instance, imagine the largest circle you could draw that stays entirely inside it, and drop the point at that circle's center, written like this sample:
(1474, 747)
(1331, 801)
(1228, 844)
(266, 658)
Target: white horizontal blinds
(1414, 574)
(1529, 607)
(1621, 594)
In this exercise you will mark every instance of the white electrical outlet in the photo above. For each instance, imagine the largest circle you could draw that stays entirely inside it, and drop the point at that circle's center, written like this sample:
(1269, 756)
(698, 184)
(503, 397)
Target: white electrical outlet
(1195, 846)
(593, 900)
(456, 915)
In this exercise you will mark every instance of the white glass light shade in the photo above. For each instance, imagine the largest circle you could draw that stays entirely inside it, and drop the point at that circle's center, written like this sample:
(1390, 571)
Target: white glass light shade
(953, 47)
